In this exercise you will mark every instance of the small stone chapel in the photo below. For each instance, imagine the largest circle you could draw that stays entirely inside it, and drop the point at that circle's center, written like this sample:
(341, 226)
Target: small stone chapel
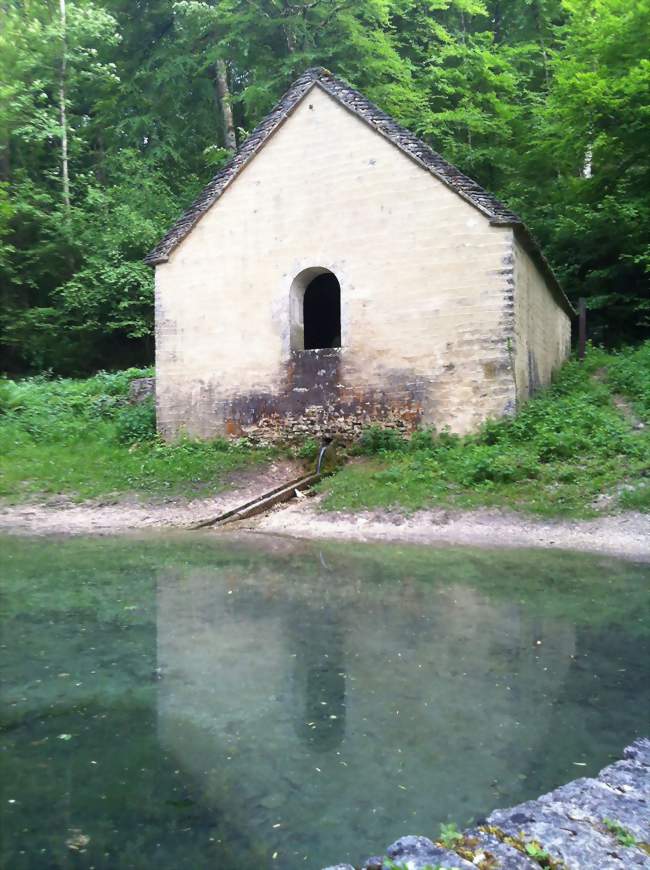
(336, 273)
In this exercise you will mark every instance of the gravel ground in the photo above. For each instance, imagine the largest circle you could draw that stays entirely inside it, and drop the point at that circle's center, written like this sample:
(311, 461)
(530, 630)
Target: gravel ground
(624, 534)
(61, 515)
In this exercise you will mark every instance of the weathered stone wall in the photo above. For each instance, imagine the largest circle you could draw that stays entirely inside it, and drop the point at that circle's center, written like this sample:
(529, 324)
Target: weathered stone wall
(542, 328)
(426, 305)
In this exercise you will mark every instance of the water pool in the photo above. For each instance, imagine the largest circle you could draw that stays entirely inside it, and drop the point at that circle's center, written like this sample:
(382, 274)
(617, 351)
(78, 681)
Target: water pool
(204, 701)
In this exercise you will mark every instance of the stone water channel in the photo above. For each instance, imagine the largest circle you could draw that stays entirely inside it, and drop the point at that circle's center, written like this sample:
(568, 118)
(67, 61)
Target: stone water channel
(192, 700)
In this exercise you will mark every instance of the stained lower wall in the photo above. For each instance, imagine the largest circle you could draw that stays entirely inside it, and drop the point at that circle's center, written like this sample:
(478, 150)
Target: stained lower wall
(318, 397)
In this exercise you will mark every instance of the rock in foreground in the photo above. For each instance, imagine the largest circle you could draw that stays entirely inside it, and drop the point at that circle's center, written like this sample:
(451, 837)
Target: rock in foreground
(599, 823)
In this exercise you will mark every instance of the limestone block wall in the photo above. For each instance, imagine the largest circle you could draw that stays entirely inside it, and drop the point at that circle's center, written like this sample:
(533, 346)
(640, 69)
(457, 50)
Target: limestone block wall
(426, 294)
(542, 329)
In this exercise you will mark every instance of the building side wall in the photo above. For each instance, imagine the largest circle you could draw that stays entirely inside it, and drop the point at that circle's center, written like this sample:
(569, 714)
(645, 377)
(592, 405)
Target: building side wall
(426, 294)
(542, 339)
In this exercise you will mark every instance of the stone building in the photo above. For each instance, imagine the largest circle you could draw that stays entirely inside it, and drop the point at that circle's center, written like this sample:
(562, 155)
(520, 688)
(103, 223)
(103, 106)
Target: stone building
(338, 272)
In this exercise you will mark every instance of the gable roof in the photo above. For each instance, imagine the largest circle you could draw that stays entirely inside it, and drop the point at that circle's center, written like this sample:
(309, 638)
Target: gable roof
(494, 210)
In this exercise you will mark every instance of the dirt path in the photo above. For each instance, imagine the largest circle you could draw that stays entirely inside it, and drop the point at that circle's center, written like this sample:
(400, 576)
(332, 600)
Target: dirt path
(625, 534)
(102, 517)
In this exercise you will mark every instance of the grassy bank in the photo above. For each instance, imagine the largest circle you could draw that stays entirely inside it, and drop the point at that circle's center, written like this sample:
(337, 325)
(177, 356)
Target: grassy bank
(83, 439)
(577, 448)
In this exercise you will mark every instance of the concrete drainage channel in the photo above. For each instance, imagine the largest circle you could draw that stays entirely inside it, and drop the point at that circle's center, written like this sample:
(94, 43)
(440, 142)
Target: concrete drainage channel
(269, 499)
(262, 503)
(588, 824)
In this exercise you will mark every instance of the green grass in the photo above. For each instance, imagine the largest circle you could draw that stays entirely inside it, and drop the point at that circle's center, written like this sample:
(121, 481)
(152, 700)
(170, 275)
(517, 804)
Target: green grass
(81, 438)
(567, 446)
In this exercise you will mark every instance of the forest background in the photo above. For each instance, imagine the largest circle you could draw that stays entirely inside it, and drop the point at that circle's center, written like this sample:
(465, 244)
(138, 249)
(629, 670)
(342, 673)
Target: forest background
(114, 114)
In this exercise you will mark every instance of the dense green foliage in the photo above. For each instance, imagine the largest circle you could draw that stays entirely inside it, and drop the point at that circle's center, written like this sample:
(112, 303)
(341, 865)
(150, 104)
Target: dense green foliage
(629, 373)
(577, 441)
(111, 119)
(82, 438)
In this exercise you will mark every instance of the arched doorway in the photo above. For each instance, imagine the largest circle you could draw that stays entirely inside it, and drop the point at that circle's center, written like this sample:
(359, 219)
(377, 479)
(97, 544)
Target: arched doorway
(315, 310)
(322, 312)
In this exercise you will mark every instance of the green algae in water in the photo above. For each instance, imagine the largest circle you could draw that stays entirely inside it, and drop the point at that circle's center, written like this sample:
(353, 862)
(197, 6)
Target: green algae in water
(203, 701)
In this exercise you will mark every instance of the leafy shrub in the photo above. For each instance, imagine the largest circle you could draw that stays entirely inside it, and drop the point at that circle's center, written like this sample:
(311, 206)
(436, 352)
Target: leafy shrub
(572, 418)
(422, 439)
(563, 448)
(76, 436)
(308, 449)
(629, 373)
(482, 464)
(377, 440)
(135, 423)
(59, 409)
(9, 398)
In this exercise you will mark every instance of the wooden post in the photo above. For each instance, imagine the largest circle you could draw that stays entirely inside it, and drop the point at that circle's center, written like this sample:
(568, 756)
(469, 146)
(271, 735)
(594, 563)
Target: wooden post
(582, 327)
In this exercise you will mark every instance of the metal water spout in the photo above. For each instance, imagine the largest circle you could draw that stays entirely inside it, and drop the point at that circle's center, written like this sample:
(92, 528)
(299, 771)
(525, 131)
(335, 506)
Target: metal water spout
(326, 444)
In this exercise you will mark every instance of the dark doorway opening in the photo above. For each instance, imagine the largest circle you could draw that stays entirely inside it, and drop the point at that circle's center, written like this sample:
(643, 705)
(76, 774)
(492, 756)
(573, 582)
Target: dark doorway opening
(322, 312)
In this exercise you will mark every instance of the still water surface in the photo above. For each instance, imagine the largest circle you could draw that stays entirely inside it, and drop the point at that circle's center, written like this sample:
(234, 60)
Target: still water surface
(198, 701)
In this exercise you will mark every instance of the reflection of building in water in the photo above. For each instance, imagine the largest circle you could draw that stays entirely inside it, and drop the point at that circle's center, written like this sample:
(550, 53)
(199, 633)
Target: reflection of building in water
(283, 689)
(318, 678)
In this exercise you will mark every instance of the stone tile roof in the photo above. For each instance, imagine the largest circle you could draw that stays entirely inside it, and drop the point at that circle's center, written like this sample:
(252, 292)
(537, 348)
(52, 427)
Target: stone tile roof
(496, 212)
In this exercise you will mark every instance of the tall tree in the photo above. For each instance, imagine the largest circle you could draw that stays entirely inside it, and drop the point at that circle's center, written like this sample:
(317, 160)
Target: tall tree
(65, 173)
(225, 100)
(591, 204)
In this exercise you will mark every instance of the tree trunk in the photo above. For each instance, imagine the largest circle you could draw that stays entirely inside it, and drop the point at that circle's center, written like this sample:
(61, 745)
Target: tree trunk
(229, 137)
(290, 38)
(5, 160)
(496, 22)
(62, 110)
(539, 22)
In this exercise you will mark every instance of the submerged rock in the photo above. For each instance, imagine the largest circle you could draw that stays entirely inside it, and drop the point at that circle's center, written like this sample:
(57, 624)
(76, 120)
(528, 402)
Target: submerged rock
(273, 801)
